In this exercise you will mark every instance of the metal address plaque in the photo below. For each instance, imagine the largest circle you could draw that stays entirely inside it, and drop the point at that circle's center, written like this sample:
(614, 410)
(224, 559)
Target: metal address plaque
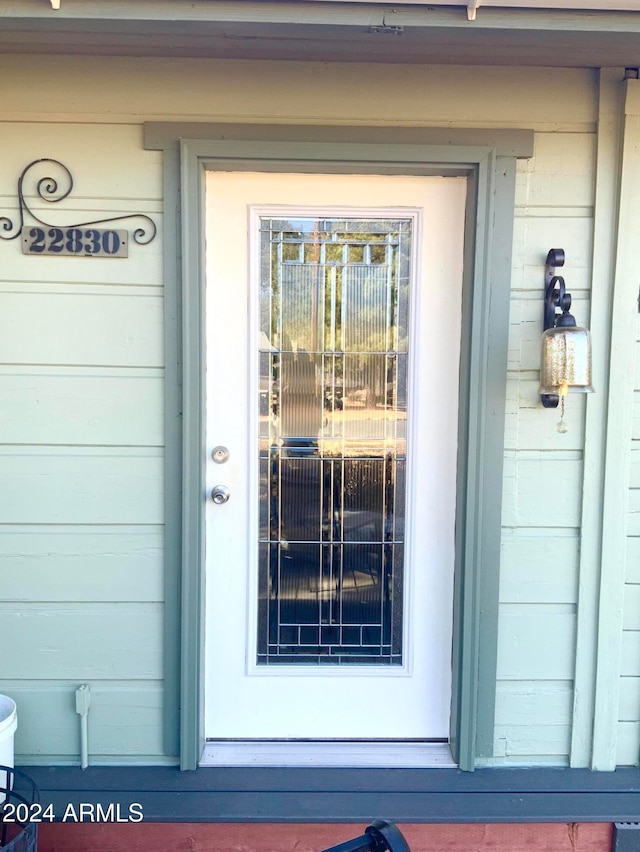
(75, 242)
(76, 239)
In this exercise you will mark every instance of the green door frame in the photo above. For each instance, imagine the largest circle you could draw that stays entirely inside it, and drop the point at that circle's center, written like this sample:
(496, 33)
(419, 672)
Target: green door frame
(488, 160)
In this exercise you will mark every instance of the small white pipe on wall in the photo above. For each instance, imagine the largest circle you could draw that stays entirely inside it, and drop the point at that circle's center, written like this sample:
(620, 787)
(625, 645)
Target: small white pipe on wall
(83, 701)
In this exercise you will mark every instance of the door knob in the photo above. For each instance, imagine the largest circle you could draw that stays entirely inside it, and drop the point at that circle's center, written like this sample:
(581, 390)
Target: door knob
(220, 494)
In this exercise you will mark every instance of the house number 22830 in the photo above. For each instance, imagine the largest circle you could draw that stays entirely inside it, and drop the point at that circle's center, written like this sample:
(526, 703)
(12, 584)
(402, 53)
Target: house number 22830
(76, 242)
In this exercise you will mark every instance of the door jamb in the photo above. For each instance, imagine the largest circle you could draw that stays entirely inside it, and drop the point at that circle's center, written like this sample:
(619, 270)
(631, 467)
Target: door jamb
(490, 170)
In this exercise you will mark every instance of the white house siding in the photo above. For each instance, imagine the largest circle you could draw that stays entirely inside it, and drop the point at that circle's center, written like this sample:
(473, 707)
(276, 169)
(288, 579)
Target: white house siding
(81, 344)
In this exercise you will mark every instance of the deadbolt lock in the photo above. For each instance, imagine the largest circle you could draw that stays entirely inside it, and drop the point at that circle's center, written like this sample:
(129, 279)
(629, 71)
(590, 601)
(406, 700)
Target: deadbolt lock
(220, 454)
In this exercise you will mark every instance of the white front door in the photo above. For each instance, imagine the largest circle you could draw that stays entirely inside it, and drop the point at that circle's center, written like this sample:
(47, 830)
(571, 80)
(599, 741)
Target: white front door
(332, 337)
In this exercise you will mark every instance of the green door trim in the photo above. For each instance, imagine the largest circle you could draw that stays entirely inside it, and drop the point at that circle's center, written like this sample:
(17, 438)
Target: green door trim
(490, 170)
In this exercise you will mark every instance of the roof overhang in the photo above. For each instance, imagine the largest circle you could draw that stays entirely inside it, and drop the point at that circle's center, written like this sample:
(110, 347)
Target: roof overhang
(472, 6)
(566, 33)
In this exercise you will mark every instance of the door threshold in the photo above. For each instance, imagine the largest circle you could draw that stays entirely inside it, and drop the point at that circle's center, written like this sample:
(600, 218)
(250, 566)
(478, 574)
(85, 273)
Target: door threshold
(339, 753)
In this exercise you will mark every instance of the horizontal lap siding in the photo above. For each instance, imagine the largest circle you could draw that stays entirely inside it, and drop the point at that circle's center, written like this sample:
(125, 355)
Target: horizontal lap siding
(81, 360)
(292, 93)
(82, 458)
(542, 491)
(85, 640)
(125, 720)
(98, 485)
(82, 405)
(57, 562)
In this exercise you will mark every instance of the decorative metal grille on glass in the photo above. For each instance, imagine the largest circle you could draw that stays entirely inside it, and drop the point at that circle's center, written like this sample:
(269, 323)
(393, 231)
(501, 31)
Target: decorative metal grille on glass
(334, 310)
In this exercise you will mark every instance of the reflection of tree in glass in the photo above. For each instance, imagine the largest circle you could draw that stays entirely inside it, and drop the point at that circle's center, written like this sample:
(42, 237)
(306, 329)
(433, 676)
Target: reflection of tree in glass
(320, 271)
(339, 291)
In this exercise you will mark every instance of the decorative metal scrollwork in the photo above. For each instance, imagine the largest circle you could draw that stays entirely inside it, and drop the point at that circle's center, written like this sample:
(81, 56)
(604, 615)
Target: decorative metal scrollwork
(53, 190)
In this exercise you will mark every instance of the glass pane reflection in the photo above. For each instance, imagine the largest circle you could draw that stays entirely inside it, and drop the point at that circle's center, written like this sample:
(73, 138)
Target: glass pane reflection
(333, 376)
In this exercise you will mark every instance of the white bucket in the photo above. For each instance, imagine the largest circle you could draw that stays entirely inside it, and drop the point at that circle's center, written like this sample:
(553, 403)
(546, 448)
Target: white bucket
(8, 725)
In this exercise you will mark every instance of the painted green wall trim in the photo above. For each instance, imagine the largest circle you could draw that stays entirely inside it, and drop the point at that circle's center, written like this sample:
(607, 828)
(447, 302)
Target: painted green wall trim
(618, 442)
(160, 135)
(487, 479)
(485, 320)
(349, 795)
(481, 443)
(610, 112)
(333, 14)
(462, 737)
(173, 456)
(323, 32)
(193, 453)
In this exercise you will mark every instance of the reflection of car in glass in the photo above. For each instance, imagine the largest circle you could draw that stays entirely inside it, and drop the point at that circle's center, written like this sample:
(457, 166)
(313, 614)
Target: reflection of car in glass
(333, 399)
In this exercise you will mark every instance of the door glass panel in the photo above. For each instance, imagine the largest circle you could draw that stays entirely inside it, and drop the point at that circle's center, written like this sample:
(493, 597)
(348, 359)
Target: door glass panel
(334, 311)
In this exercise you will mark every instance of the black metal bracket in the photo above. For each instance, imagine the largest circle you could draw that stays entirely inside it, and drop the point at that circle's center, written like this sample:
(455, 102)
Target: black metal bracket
(626, 836)
(18, 834)
(555, 295)
(380, 836)
(53, 190)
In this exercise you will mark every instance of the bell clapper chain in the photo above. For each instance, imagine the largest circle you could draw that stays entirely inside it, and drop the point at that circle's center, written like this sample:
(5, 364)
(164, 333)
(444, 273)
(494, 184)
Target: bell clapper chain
(561, 426)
